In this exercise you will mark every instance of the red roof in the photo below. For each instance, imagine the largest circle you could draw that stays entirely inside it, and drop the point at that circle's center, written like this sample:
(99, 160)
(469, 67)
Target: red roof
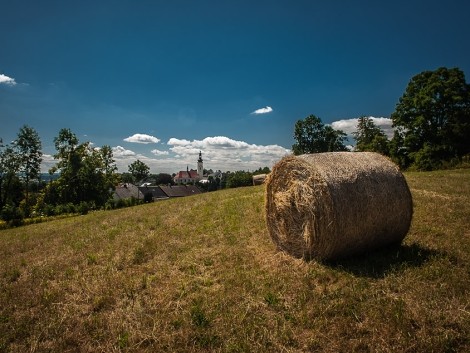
(183, 174)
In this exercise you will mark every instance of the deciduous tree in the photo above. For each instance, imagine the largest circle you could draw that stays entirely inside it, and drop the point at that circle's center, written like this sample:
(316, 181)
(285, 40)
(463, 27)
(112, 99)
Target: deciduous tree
(28, 145)
(369, 137)
(139, 170)
(312, 136)
(432, 119)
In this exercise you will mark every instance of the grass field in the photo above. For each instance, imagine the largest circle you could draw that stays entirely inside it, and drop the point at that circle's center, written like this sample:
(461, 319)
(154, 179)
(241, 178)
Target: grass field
(201, 274)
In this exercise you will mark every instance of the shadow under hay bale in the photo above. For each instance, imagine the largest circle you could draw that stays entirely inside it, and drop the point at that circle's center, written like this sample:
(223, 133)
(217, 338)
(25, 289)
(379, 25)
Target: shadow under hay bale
(328, 206)
(394, 258)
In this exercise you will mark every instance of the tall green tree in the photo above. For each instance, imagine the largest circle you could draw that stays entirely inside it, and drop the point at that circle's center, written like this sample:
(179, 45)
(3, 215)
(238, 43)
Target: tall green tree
(369, 137)
(87, 174)
(10, 163)
(139, 170)
(28, 145)
(312, 136)
(108, 166)
(67, 187)
(432, 119)
(163, 179)
(239, 178)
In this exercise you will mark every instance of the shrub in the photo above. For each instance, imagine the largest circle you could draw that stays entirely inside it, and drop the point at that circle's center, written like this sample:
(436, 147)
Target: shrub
(12, 215)
(49, 210)
(83, 208)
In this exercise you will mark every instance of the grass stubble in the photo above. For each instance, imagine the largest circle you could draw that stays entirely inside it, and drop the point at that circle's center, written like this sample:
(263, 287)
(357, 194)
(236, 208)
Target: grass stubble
(201, 274)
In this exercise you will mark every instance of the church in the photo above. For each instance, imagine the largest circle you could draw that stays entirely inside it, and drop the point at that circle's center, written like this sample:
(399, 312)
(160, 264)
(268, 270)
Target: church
(190, 176)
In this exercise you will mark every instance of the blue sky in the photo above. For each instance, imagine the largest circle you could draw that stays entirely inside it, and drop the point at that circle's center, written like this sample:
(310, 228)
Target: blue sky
(160, 80)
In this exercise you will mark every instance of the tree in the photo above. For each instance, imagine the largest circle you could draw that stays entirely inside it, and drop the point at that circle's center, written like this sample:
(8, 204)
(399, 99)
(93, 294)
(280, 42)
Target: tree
(238, 179)
(69, 155)
(87, 174)
(369, 137)
(163, 179)
(28, 145)
(432, 119)
(313, 136)
(108, 166)
(10, 188)
(139, 170)
(260, 170)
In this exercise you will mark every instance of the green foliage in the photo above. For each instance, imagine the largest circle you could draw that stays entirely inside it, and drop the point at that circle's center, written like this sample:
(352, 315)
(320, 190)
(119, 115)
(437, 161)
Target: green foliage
(163, 179)
(312, 136)
(87, 174)
(239, 178)
(433, 111)
(83, 208)
(12, 215)
(28, 145)
(10, 164)
(139, 170)
(260, 170)
(121, 203)
(369, 137)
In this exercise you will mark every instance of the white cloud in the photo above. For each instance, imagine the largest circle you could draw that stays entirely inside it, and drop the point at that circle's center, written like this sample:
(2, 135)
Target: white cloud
(142, 138)
(349, 126)
(7, 80)
(120, 151)
(264, 110)
(224, 153)
(174, 141)
(160, 153)
(47, 163)
(218, 153)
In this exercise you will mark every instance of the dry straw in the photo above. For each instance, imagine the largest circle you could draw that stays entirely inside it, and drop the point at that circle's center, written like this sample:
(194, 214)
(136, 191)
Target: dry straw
(327, 206)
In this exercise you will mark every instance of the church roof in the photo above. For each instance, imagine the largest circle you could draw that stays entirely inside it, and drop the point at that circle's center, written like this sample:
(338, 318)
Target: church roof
(187, 174)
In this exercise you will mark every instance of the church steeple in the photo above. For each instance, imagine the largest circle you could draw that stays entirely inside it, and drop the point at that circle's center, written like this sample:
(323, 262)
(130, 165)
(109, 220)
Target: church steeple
(200, 168)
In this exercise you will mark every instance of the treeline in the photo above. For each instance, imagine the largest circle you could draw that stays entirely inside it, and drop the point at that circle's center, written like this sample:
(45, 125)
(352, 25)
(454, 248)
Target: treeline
(431, 126)
(86, 178)
(229, 179)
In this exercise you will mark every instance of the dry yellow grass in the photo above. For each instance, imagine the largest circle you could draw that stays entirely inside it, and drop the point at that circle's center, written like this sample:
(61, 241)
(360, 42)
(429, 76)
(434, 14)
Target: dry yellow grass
(201, 274)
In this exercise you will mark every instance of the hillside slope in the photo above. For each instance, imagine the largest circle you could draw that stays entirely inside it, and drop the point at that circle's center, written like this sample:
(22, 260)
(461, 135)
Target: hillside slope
(201, 274)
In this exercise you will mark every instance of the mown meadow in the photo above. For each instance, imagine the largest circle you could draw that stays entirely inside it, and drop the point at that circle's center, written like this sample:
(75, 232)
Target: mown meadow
(201, 274)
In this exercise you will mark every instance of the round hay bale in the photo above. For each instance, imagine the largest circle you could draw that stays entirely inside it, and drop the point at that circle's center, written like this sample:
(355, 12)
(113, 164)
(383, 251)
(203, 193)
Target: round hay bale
(327, 206)
(259, 179)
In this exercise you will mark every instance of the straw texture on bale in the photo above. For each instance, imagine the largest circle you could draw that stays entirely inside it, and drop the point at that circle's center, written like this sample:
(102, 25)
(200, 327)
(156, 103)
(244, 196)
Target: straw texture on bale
(327, 206)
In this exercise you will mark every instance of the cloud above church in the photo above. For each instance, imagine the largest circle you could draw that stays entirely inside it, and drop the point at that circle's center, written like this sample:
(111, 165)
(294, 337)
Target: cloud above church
(224, 153)
(218, 152)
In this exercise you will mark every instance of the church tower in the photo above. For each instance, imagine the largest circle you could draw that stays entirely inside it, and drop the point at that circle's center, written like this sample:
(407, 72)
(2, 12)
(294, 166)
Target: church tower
(200, 168)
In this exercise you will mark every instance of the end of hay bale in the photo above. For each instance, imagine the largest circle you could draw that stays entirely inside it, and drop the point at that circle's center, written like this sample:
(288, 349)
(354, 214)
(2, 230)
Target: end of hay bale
(328, 206)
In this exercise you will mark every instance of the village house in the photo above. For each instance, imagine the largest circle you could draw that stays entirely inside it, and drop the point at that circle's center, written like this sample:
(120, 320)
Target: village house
(185, 181)
(127, 191)
(190, 176)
